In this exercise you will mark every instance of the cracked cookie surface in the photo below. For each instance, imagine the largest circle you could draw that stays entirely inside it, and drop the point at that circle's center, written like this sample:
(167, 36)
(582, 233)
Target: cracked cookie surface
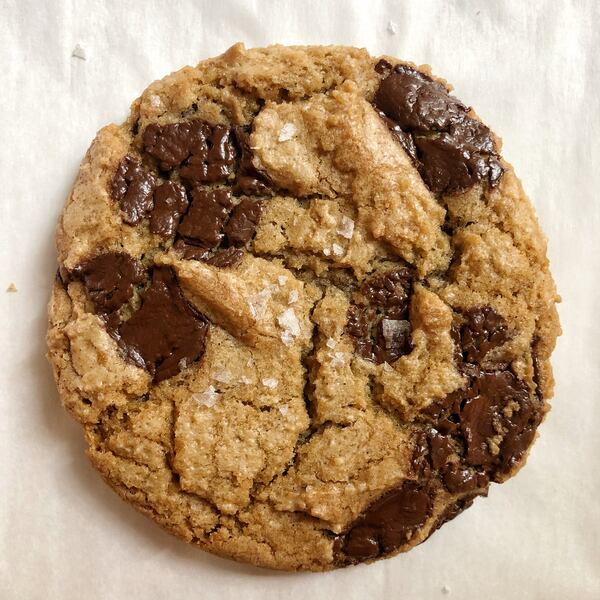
(303, 309)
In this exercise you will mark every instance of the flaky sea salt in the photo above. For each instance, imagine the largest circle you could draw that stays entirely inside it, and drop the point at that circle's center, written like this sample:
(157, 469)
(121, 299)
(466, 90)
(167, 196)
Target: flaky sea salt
(289, 322)
(155, 101)
(346, 228)
(270, 382)
(393, 329)
(326, 251)
(282, 279)
(337, 250)
(245, 380)
(288, 131)
(222, 376)
(293, 297)
(391, 27)
(258, 303)
(330, 343)
(284, 409)
(207, 398)
(337, 359)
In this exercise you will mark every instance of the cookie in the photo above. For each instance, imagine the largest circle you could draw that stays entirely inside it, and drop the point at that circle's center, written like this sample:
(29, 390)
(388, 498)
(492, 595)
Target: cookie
(303, 310)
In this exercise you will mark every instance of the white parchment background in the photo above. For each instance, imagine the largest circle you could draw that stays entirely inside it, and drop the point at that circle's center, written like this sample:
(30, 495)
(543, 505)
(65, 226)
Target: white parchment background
(532, 71)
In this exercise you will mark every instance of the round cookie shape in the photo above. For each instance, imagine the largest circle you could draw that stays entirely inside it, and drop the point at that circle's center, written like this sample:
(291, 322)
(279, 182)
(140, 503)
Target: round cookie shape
(303, 310)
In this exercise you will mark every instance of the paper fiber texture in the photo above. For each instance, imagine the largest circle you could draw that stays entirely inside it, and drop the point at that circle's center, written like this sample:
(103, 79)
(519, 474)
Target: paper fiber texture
(532, 71)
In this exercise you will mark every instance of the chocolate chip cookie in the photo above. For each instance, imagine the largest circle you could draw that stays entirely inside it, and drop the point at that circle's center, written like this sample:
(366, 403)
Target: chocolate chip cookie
(303, 310)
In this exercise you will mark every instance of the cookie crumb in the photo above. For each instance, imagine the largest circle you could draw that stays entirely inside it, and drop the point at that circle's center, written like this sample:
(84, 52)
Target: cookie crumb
(346, 228)
(79, 52)
(270, 382)
(392, 27)
(12, 288)
(288, 131)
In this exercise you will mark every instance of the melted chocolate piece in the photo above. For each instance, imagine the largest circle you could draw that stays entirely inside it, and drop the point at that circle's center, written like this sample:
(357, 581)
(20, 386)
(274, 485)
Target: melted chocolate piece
(170, 202)
(483, 330)
(452, 150)
(244, 218)
(387, 524)
(380, 327)
(205, 220)
(441, 449)
(207, 150)
(459, 480)
(250, 180)
(189, 252)
(132, 187)
(110, 279)
(389, 291)
(166, 334)
(225, 258)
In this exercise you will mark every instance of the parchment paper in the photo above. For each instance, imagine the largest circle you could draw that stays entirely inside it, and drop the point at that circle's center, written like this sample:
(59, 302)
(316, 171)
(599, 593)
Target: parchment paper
(532, 71)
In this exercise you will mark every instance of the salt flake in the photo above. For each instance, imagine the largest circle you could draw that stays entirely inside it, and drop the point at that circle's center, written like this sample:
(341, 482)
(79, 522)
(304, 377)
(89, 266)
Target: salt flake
(392, 27)
(79, 52)
(337, 359)
(258, 303)
(270, 382)
(330, 343)
(346, 228)
(283, 409)
(222, 376)
(207, 398)
(293, 297)
(289, 321)
(282, 279)
(337, 249)
(288, 131)
(155, 101)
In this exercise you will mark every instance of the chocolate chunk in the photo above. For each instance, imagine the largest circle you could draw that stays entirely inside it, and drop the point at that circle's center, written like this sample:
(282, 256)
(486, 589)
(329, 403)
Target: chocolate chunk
(250, 180)
(455, 160)
(170, 202)
(380, 327)
(225, 258)
(455, 509)
(389, 290)
(441, 449)
(207, 150)
(244, 218)
(110, 279)
(452, 150)
(166, 334)
(189, 252)
(459, 480)
(483, 330)
(204, 222)
(132, 187)
(387, 524)
(416, 102)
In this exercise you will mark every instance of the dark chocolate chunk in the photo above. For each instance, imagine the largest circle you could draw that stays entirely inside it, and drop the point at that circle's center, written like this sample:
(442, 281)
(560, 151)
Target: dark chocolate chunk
(110, 279)
(206, 150)
(166, 334)
(455, 509)
(204, 222)
(483, 330)
(244, 218)
(416, 102)
(132, 187)
(387, 524)
(170, 202)
(455, 160)
(379, 326)
(189, 252)
(225, 258)
(441, 449)
(250, 180)
(389, 290)
(452, 150)
(460, 479)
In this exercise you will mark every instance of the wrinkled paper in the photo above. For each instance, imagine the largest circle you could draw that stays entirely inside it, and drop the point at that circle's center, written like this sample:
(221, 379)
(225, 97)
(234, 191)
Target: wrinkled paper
(531, 69)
